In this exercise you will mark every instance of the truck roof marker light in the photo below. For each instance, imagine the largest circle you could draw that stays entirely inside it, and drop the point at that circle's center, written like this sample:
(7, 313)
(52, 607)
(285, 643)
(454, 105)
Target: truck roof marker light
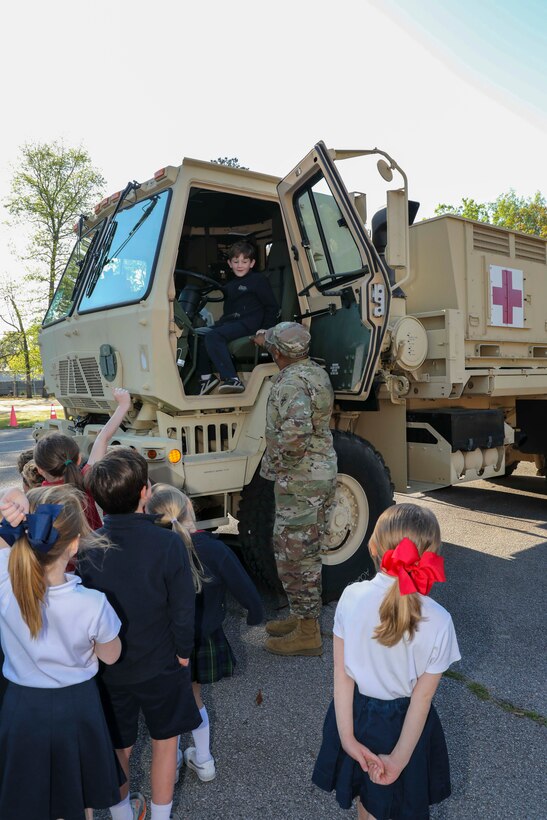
(174, 456)
(114, 197)
(159, 174)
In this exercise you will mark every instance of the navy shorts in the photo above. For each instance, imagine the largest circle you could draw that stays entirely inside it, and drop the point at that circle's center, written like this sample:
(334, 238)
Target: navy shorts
(166, 701)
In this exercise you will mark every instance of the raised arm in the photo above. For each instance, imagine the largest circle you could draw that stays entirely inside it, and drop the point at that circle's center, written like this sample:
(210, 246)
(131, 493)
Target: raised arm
(415, 718)
(344, 687)
(13, 505)
(103, 439)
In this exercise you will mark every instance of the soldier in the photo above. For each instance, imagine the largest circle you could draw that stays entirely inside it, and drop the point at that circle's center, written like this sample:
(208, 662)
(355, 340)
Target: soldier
(301, 460)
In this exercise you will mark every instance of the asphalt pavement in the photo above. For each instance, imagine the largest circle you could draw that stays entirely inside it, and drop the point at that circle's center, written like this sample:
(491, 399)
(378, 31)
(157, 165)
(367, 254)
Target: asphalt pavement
(266, 721)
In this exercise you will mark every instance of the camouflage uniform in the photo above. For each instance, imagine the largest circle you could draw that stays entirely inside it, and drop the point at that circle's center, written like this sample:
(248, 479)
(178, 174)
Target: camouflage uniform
(300, 458)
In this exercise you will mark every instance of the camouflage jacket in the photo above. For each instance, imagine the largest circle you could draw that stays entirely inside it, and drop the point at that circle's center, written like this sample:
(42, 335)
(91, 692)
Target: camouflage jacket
(298, 437)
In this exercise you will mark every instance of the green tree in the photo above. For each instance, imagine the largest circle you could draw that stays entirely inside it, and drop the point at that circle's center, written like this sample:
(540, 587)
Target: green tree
(51, 186)
(231, 162)
(19, 349)
(519, 213)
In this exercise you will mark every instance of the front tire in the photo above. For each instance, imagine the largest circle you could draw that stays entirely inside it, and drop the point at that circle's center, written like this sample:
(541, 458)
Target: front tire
(363, 492)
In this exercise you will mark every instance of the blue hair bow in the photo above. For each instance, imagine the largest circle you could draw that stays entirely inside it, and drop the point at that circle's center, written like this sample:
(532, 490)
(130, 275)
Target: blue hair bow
(37, 526)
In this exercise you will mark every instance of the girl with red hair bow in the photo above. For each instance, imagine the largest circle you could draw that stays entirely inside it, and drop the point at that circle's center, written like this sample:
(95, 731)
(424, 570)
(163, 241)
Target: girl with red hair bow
(382, 739)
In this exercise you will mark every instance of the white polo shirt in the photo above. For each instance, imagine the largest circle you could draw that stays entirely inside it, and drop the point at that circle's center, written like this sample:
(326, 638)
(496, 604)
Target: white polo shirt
(62, 654)
(391, 672)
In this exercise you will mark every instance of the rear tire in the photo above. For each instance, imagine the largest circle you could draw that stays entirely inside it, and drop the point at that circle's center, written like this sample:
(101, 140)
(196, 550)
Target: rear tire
(364, 490)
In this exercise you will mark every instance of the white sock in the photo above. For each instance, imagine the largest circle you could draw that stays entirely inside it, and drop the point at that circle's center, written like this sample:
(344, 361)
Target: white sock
(122, 810)
(162, 812)
(201, 737)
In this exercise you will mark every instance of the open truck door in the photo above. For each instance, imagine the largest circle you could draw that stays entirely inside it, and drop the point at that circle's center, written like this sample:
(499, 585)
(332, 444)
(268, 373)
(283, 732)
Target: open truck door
(344, 291)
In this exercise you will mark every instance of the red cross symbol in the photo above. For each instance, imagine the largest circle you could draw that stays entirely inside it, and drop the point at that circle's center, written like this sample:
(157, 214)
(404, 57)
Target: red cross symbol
(507, 297)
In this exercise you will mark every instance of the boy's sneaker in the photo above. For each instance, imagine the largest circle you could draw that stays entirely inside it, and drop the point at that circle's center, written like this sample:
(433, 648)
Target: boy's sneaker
(231, 386)
(138, 805)
(207, 385)
(205, 771)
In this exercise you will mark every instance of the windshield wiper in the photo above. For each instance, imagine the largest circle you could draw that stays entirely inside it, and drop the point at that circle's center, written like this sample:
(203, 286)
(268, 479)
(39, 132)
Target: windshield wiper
(146, 213)
(107, 236)
(83, 264)
(100, 256)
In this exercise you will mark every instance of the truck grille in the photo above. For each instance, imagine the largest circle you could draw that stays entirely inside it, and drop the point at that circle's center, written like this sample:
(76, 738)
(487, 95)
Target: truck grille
(217, 437)
(80, 377)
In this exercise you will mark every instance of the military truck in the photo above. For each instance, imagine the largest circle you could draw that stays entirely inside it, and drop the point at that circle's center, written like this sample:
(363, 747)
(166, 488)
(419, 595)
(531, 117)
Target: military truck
(433, 335)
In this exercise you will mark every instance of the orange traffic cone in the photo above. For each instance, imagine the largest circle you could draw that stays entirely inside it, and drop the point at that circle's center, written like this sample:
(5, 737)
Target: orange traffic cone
(53, 414)
(13, 417)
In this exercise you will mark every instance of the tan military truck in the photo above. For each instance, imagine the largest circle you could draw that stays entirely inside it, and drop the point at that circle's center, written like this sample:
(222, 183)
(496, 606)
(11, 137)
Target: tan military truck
(434, 338)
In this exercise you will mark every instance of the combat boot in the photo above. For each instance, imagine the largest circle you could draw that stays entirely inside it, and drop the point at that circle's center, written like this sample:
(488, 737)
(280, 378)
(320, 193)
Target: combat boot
(305, 639)
(281, 627)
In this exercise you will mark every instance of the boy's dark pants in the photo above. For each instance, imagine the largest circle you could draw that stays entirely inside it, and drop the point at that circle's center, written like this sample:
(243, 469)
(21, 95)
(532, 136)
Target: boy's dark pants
(213, 353)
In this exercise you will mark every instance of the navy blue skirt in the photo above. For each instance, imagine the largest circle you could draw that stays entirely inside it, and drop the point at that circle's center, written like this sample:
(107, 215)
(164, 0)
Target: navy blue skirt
(377, 724)
(56, 756)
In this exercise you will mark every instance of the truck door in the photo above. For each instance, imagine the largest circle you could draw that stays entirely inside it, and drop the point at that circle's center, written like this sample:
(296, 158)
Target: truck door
(344, 290)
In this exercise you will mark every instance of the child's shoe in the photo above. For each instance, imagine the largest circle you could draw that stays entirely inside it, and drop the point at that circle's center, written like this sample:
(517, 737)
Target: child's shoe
(138, 805)
(231, 386)
(207, 385)
(205, 771)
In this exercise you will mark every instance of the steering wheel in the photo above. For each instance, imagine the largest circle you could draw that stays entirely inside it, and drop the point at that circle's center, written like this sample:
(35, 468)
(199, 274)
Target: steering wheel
(209, 284)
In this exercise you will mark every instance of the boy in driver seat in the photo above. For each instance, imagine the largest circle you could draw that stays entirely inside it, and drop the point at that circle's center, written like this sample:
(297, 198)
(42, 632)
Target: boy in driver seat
(249, 305)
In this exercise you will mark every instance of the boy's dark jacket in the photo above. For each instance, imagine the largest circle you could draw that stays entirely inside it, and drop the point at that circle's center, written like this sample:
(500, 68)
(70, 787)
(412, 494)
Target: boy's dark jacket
(223, 572)
(146, 577)
(250, 299)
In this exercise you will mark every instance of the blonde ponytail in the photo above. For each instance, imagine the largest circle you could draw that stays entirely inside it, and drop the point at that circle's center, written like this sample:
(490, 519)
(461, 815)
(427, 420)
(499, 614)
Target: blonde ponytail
(401, 614)
(172, 507)
(28, 582)
(28, 567)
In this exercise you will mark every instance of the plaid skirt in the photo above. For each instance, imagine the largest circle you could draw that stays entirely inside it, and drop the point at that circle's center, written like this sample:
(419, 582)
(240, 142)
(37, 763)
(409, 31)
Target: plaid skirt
(213, 658)
(377, 724)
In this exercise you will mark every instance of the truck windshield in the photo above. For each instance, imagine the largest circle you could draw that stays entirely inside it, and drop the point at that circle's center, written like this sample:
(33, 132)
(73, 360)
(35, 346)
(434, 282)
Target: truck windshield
(63, 300)
(330, 247)
(123, 273)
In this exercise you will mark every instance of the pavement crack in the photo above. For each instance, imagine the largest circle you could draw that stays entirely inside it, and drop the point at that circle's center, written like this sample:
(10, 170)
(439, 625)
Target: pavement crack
(483, 693)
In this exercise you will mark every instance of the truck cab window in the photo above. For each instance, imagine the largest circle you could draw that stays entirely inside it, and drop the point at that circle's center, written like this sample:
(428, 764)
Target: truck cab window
(123, 273)
(329, 244)
(65, 295)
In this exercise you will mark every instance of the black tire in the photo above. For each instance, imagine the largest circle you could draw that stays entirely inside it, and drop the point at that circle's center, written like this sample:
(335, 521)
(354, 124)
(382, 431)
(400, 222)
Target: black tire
(364, 492)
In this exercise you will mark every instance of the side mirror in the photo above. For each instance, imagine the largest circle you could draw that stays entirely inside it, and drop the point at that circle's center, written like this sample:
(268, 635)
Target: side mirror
(397, 229)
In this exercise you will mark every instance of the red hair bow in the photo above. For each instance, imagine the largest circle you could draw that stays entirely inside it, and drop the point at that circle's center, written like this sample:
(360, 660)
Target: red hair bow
(415, 573)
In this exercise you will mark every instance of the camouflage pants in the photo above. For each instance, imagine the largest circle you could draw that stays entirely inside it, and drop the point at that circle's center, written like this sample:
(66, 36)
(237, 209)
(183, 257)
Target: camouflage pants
(301, 511)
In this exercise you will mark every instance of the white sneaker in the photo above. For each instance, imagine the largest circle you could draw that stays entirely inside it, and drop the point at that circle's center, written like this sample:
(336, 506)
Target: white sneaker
(138, 805)
(205, 771)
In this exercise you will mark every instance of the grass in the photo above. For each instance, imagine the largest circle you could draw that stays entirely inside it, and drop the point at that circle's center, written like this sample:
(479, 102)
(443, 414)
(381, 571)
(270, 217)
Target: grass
(28, 411)
(482, 693)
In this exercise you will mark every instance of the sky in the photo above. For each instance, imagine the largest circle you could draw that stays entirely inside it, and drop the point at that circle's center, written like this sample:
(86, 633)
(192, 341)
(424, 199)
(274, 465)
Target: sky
(454, 90)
